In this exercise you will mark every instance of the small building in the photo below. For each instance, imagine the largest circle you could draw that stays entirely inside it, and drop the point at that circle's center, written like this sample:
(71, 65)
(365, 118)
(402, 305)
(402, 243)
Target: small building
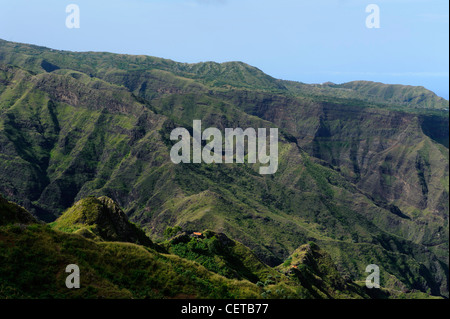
(197, 235)
(292, 270)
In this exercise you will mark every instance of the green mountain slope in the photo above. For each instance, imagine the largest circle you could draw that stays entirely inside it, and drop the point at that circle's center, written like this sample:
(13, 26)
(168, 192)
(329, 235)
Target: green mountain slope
(314, 269)
(411, 96)
(125, 270)
(107, 269)
(222, 255)
(365, 178)
(373, 93)
(101, 219)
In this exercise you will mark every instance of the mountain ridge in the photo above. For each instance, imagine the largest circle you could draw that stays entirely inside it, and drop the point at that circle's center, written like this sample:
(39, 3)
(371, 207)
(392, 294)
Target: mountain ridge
(210, 69)
(123, 270)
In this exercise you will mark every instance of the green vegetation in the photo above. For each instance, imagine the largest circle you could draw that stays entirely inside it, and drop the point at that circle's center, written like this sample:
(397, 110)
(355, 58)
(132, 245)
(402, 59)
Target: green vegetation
(172, 231)
(315, 271)
(34, 260)
(101, 219)
(363, 167)
(14, 214)
(222, 255)
(34, 257)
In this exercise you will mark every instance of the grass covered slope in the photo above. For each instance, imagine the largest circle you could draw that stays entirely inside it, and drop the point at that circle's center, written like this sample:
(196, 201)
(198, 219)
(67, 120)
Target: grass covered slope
(101, 219)
(314, 269)
(34, 258)
(125, 270)
(222, 255)
(368, 93)
(411, 96)
(367, 180)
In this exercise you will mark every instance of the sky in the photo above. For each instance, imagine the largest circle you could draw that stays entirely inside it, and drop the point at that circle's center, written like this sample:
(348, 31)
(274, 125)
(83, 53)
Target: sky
(312, 41)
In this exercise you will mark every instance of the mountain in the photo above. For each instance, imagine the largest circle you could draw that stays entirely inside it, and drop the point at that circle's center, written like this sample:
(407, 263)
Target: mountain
(107, 269)
(375, 93)
(220, 254)
(314, 269)
(114, 269)
(411, 96)
(102, 219)
(362, 173)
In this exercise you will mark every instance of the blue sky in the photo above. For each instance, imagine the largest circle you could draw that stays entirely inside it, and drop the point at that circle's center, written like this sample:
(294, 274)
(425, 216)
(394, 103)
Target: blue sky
(308, 41)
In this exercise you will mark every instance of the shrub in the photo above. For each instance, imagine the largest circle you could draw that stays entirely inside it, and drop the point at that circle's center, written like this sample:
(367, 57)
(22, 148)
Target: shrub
(172, 231)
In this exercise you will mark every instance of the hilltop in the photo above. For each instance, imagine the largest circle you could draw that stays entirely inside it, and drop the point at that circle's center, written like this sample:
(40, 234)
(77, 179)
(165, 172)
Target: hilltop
(101, 219)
